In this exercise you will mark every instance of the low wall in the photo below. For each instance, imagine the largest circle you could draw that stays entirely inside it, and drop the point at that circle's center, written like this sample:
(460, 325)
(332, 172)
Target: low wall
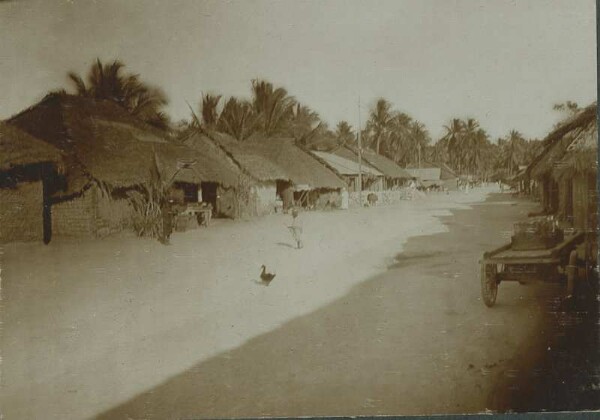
(91, 215)
(383, 197)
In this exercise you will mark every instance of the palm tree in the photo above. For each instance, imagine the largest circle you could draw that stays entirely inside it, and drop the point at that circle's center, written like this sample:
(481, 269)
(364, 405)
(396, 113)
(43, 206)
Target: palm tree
(454, 137)
(420, 139)
(303, 123)
(379, 122)
(344, 133)
(238, 119)
(273, 106)
(210, 116)
(399, 136)
(512, 152)
(107, 81)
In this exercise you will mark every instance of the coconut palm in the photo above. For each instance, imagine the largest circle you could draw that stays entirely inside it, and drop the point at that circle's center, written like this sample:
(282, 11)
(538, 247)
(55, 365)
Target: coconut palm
(398, 141)
(303, 123)
(512, 152)
(379, 123)
(273, 106)
(344, 134)
(454, 136)
(210, 116)
(238, 119)
(107, 81)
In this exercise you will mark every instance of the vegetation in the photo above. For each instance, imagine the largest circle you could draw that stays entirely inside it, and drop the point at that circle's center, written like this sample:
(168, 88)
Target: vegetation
(107, 81)
(272, 111)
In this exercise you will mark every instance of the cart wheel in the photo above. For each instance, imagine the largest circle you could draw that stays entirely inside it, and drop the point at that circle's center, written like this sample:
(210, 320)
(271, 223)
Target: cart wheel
(489, 284)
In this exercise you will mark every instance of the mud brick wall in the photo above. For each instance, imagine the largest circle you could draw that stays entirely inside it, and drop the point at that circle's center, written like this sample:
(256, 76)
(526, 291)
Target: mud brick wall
(112, 215)
(384, 197)
(74, 217)
(21, 213)
(265, 195)
(91, 215)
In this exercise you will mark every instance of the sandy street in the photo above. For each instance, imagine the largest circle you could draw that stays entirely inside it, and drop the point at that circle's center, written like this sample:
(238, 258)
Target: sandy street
(134, 329)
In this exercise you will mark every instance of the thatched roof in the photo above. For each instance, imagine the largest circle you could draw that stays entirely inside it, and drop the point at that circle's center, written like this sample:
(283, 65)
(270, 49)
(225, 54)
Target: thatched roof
(345, 166)
(436, 169)
(248, 159)
(110, 145)
(300, 166)
(426, 174)
(351, 155)
(17, 148)
(576, 137)
(386, 166)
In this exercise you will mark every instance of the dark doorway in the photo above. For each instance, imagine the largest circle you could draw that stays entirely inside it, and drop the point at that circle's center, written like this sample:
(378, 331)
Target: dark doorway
(46, 207)
(209, 193)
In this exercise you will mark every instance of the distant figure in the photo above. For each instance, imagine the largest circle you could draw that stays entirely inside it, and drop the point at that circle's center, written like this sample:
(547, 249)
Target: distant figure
(372, 199)
(296, 229)
(167, 224)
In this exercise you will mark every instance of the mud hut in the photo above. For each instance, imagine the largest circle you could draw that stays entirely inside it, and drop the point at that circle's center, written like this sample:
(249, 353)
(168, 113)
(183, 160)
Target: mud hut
(434, 175)
(28, 168)
(311, 184)
(348, 170)
(108, 155)
(394, 175)
(566, 170)
(261, 174)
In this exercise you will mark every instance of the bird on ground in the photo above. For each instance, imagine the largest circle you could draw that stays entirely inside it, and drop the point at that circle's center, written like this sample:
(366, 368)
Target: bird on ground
(265, 277)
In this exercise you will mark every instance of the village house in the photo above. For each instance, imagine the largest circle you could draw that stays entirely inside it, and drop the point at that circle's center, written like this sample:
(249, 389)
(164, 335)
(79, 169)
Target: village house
(28, 167)
(394, 176)
(434, 175)
(262, 175)
(109, 155)
(372, 179)
(310, 184)
(565, 171)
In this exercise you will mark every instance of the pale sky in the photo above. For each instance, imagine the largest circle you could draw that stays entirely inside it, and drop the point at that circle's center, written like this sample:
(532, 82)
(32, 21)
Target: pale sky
(503, 62)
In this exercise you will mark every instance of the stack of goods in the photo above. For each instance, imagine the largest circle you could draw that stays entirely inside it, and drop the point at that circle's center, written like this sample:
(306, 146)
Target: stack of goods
(537, 233)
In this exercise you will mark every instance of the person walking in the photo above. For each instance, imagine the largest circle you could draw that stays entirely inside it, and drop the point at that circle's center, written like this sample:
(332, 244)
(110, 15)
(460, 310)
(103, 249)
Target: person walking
(296, 229)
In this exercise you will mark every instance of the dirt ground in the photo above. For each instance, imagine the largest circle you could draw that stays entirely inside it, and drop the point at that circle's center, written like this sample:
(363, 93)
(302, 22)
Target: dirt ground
(133, 329)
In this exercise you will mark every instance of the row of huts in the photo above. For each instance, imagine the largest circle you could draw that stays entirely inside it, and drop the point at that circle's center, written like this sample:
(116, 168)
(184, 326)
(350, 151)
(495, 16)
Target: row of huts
(69, 166)
(564, 176)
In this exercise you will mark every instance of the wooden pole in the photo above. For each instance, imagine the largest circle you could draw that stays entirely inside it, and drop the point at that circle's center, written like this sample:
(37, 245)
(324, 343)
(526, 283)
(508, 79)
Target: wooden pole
(359, 158)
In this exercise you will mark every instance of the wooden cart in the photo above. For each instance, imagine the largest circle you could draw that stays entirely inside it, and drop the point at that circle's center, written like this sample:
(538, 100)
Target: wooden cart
(507, 264)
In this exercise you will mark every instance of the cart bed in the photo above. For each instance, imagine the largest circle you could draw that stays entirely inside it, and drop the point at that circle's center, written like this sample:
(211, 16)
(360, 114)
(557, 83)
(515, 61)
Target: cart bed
(506, 254)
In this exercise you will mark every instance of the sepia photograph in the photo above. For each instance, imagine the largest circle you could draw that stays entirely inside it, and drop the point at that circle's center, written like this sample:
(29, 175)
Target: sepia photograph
(215, 209)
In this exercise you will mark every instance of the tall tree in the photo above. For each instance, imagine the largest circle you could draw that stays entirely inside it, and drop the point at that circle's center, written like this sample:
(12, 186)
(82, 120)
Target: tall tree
(238, 119)
(454, 137)
(209, 108)
(107, 81)
(345, 134)
(379, 123)
(303, 123)
(273, 106)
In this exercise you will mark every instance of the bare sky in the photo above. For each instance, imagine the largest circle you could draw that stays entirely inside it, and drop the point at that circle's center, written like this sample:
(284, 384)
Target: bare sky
(503, 62)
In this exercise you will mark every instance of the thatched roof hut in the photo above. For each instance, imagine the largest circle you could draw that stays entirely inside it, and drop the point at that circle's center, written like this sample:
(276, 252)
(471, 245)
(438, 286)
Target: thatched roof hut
(570, 148)
(300, 166)
(384, 164)
(351, 155)
(345, 166)
(248, 158)
(17, 148)
(103, 142)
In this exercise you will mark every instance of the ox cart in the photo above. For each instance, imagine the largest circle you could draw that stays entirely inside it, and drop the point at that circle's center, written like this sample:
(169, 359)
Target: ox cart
(508, 264)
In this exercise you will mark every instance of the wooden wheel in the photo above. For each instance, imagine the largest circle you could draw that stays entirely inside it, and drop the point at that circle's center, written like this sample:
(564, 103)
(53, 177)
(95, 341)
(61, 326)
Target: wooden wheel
(489, 284)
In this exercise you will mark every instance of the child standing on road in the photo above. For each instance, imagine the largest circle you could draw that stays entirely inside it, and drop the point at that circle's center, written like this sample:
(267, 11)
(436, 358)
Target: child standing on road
(296, 228)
